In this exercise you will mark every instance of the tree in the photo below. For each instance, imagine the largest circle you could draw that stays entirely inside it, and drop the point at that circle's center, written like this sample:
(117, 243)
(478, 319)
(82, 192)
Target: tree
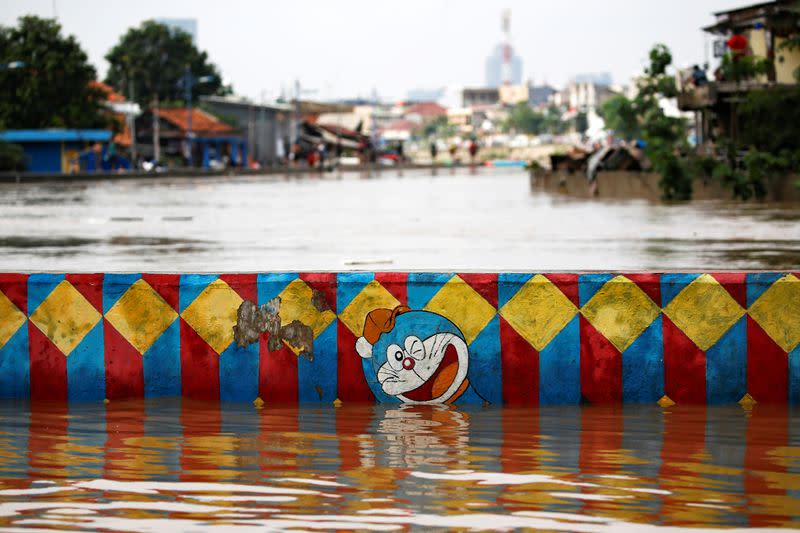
(619, 114)
(51, 88)
(523, 119)
(664, 136)
(152, 60)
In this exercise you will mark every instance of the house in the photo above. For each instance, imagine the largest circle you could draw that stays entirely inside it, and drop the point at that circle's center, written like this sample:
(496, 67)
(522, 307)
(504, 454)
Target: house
(399, 130)
(424, 112)
(480, 96)
(765, 27)
(756, 31)
(191, 137)
(268, 129)
(62, 151)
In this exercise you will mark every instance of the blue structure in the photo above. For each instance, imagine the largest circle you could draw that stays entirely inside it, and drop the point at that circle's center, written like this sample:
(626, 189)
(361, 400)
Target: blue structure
(64, 151)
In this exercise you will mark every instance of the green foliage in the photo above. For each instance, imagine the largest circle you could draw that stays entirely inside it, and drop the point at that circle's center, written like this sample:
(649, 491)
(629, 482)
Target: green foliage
(664, 136)
(524, 119)
(153, 59)
(12, 157)
(52, 89)
(770, 119)
(439, 127)
(747, 176)
(675, 182)
(660, 58)
(619, 114)
(743, 68)
(702, 166)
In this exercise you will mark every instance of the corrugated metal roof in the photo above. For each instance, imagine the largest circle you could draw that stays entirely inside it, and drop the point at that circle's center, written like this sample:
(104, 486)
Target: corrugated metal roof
(55, 135)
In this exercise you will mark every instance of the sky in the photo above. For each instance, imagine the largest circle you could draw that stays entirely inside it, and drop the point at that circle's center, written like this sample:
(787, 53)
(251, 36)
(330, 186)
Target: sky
(348, 48)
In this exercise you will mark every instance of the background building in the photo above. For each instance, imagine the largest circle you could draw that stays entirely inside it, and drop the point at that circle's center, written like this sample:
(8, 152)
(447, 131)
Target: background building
(266, 128)
(494, 68)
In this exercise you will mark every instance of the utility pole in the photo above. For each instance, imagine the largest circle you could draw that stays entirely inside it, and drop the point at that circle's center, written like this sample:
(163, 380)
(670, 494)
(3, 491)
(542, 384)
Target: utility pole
(297, 108)
(187, 91)
(132, 119)
(156, 131)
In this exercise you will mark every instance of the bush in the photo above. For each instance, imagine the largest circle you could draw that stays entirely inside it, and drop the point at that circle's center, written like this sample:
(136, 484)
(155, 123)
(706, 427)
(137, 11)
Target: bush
(675, 182)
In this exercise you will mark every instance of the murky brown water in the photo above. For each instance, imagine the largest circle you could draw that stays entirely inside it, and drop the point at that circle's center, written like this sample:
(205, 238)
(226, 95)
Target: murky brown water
(149, 466)
(456, 220)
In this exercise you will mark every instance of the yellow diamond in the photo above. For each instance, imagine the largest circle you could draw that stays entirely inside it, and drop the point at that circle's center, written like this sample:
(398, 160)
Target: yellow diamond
(296, 304)
(372, 296)
(141, 315)
(747, 401)
(778, 312)
(65, 317)
(621, 311)
(462, 304)
(11, 319)
(213, 314)
(539, 311)
(704, 311)
(665, 401)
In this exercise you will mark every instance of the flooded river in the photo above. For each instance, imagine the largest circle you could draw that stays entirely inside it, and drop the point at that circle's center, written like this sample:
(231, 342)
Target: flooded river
(133, 466)
(454, 220)
(180, 465)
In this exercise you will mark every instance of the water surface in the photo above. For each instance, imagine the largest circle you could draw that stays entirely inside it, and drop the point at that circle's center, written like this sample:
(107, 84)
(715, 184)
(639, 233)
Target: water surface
(487, 219)
(158, 464)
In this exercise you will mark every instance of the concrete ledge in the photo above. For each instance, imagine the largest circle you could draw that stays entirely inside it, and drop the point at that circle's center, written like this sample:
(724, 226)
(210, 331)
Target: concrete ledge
(626, 185)
(27, 177)
(508, 338)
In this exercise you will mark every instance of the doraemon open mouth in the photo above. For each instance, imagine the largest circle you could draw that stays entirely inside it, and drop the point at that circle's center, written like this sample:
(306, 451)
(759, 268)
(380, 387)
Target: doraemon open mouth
(440, 381)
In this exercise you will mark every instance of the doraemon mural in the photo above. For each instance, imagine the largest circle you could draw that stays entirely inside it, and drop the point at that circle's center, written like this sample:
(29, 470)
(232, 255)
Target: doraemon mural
(415, 357)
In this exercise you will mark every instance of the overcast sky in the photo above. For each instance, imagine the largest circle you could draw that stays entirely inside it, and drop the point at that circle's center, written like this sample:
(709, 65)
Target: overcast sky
(345, 48)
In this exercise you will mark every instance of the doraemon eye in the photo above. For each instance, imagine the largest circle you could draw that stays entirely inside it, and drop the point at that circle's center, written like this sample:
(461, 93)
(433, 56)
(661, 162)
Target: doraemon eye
(395, 356)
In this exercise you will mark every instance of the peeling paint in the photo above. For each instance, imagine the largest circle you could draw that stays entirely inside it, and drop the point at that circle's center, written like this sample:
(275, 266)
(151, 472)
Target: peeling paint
(252, 321)
(319, 301)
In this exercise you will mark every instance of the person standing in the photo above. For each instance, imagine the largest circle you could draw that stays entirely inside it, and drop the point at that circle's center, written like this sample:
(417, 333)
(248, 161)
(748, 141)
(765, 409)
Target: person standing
(434, 151)
(321, 153)
(473, 151)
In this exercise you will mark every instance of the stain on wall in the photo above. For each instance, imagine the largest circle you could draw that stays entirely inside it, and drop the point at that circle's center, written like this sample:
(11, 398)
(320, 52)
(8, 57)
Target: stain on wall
(508, 338)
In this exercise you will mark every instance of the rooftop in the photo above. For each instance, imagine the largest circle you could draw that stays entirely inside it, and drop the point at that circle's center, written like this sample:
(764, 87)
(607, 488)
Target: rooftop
(202, 122)
(55, 135)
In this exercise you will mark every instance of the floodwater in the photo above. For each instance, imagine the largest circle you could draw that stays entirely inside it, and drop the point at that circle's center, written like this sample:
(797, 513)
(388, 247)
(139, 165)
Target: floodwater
(163, 464)
(180, 465)
(455, 220)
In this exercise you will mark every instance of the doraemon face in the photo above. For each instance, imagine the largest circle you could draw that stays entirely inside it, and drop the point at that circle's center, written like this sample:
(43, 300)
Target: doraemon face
(422, 359)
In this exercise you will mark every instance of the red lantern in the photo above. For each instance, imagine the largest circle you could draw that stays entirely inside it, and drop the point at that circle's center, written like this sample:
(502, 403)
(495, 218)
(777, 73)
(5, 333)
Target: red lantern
(737, 43)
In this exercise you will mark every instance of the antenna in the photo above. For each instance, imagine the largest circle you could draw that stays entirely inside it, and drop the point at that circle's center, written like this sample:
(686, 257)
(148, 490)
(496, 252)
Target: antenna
(506, 25)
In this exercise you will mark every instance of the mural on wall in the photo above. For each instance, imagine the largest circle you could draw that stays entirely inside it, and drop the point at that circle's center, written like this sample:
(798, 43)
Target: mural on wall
(403, 338)
(414, 356)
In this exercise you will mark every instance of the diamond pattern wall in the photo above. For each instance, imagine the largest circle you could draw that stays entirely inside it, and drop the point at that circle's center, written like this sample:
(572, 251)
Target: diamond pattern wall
(715, 337)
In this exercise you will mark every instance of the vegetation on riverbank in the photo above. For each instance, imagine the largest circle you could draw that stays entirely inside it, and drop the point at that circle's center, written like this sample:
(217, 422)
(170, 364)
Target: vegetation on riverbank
(766, 144)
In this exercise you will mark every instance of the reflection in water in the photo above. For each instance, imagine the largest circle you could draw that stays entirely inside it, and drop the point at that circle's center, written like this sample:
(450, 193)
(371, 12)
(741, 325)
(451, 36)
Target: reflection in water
(145, 466)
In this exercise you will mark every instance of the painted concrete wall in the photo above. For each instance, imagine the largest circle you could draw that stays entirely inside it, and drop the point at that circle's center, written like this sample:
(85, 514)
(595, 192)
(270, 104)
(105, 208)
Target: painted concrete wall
(508, 338)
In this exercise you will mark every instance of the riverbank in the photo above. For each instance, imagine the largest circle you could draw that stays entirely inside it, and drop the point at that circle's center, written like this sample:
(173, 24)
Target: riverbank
(635, 185)
(43, 177)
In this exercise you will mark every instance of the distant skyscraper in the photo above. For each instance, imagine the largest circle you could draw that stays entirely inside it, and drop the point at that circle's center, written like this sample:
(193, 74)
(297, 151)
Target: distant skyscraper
(503, 67)
(187, 25)
(494, 68)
